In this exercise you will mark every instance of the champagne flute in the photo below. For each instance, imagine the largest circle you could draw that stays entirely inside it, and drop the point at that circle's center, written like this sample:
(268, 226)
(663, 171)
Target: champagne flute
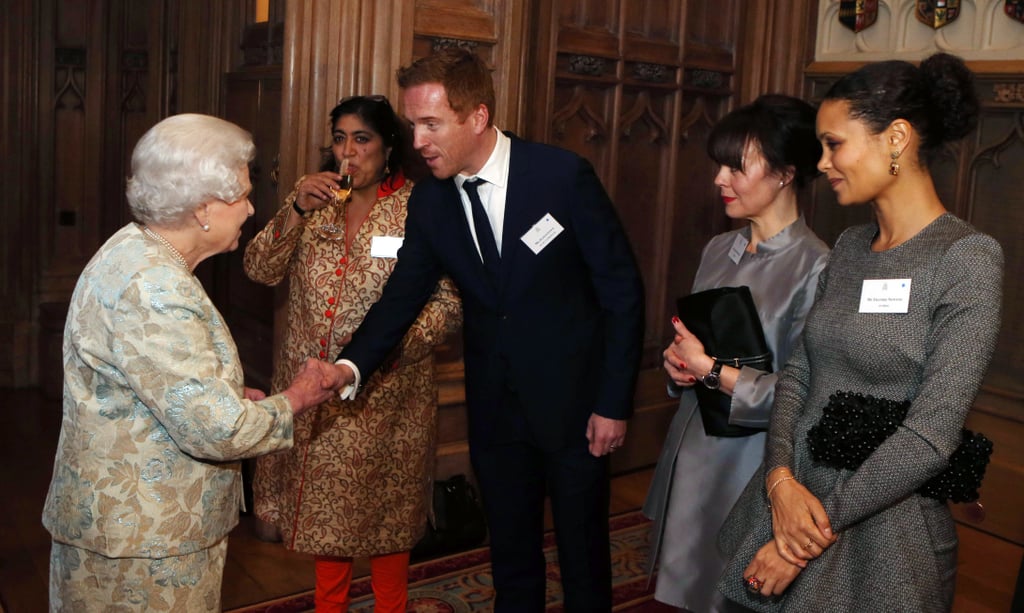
(332, 230)
(344, 189)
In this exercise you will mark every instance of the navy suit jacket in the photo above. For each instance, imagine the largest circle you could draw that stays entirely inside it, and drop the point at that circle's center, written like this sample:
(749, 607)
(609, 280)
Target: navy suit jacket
(562, 328)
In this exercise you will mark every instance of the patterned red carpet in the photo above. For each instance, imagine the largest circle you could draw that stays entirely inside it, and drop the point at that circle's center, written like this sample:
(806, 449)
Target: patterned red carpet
(462, 583)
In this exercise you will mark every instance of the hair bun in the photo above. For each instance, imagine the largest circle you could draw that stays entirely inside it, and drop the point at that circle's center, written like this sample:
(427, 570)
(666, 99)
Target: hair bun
(954, 104)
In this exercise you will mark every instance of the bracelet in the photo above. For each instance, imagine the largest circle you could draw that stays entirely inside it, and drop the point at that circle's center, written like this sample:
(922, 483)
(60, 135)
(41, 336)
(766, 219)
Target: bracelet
(298, 209)
(775, 485)
(779, 467)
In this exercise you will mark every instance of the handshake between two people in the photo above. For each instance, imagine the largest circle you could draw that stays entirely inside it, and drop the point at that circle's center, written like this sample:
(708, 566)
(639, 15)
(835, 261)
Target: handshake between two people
(316, 382)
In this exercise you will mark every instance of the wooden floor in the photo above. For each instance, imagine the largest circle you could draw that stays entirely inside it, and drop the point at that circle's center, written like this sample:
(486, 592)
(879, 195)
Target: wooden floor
(257, 571)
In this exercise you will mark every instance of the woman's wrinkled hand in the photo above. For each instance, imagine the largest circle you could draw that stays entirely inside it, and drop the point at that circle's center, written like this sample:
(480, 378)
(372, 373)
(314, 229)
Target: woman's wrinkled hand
(307, 389)
(685, 360)
(768, 573)
(315, 191)
(801, 526)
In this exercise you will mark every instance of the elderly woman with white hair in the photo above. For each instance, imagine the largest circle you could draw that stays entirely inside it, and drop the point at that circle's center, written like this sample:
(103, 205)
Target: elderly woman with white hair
(146, 483)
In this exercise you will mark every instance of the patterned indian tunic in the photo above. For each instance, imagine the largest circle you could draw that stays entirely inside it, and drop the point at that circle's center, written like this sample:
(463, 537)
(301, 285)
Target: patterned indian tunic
(145, 484)
(358, 480)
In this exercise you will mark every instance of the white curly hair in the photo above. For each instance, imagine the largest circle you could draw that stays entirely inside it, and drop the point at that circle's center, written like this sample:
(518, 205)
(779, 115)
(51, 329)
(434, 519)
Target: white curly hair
(184, 161)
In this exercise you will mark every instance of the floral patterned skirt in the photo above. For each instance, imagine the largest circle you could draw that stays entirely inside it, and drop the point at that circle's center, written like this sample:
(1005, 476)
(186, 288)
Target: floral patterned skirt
(82, 580)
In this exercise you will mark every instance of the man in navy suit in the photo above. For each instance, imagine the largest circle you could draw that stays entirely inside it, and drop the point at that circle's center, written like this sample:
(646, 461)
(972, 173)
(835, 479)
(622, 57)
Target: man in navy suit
(553, 312)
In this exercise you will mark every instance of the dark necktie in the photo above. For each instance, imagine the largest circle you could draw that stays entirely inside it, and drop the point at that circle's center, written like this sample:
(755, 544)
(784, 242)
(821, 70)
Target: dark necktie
(482, 225)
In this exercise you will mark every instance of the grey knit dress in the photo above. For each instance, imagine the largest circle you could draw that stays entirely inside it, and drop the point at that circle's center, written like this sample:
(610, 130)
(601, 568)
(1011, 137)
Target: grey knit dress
(896, 550)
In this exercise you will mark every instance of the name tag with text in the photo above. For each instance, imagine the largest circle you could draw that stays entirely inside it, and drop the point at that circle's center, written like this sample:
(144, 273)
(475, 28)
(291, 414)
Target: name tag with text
(885, 296)
(542, 233)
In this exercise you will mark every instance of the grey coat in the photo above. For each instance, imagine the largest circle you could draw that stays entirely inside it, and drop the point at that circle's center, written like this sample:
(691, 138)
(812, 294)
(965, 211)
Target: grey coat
(699, 477)
(896, 550)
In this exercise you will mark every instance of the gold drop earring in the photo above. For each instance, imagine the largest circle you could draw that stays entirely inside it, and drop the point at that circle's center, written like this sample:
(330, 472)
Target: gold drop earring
(894, 168)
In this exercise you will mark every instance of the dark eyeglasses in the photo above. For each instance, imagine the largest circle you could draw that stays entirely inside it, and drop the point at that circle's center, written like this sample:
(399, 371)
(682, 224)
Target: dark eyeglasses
(373, 98)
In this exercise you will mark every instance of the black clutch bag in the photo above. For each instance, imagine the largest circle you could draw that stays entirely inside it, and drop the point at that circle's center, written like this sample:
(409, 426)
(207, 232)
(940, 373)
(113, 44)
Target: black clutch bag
(725, 320)
(853, 425)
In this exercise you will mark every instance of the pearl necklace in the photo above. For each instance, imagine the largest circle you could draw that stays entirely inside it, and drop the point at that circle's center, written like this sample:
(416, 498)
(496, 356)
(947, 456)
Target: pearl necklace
(163, 241)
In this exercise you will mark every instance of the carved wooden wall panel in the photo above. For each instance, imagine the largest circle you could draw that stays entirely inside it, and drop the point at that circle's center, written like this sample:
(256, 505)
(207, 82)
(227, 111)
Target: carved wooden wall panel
(994, 202)
(622, 83)
(93, 73)
(134, 102)
(71, 147)
(644, 153)
(20, 223)
(583, 121)
(83, 79)
(711, 33)
(653, 32)
(778, 43)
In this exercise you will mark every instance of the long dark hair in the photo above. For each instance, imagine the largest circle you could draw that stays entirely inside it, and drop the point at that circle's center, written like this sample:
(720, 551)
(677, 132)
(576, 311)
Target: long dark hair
(377, 114)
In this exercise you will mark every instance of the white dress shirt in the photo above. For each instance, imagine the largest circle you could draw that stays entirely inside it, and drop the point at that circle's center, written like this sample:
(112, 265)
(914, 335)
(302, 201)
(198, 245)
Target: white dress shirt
(492, 190)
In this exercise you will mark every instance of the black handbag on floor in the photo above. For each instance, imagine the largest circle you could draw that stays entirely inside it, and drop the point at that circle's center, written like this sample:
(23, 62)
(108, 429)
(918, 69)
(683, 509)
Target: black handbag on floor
(459, 522)
(725, 320)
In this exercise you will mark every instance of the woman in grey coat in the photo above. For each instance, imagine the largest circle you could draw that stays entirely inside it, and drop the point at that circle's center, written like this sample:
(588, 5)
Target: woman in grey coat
(766, 151)
(908, 310)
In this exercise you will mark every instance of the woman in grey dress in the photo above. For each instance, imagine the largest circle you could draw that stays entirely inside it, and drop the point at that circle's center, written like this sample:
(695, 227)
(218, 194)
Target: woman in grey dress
(908, 310)
(766, 151)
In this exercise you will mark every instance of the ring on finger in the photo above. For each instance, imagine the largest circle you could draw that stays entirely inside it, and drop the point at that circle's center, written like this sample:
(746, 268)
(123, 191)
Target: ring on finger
(809, 545)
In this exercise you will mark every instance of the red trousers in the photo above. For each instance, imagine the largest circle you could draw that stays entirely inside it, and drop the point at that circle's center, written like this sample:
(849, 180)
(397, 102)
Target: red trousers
(389, 576)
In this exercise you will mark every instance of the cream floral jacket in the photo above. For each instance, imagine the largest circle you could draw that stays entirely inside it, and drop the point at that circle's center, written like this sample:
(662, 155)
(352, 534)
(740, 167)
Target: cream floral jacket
(154, 413)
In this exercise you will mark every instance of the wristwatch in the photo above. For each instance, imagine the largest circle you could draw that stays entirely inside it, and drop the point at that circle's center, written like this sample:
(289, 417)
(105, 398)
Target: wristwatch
(713, 379)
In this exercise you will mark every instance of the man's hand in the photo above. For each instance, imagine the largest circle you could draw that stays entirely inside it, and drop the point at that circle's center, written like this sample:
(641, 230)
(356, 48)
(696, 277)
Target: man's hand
(335, 376)
(801, 525)
(605, 435)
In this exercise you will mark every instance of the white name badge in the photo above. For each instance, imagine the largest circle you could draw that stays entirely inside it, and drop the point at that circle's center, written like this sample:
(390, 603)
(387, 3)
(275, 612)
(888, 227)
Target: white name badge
(542, 233)
(385, 246)
(885, 296)
(739, 245)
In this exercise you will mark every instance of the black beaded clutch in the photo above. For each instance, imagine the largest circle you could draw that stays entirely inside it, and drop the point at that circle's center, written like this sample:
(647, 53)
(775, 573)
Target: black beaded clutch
(854, 425)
